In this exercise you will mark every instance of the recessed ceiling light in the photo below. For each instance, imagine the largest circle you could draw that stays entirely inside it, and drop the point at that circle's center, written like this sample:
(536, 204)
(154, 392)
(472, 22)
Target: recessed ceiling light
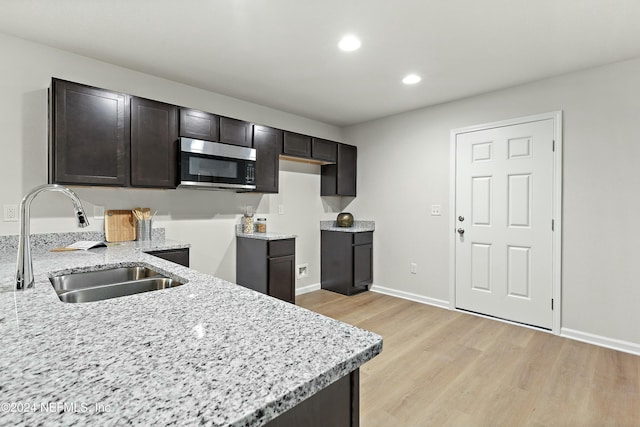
(349, 43)
(411, 79)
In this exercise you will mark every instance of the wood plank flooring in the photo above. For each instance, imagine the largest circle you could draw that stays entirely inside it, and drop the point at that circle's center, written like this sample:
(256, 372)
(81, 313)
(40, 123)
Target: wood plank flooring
(444, 368)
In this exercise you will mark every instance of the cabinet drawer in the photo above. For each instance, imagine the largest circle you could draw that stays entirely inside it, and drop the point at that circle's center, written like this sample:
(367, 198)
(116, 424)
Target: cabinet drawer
(363, 238)
(321, 149)
(297, 145)
(282, 247)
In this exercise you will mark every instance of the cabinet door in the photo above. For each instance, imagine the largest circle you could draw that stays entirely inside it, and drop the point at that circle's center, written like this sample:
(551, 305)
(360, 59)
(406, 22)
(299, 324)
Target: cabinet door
(340, 179)
(296, 145)
(321, 149)
(267, 142)
(236, 132)
(282, 281)
(362, 265)
(347, 164)
(336, 264)
(252, 265)
(154, 132)
(89, 139)
(199, 125)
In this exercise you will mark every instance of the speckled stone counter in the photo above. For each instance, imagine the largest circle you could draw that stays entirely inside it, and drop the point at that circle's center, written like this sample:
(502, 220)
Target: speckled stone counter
(264, 236)
(209, 352)
(53, 240)
(357, 227)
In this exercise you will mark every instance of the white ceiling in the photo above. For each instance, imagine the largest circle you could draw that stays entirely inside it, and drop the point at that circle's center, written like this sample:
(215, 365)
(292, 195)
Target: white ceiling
(283, 54)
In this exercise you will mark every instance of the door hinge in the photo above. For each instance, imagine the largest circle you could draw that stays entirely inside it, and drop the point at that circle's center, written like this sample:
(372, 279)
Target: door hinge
(553, 225)
(551, 303)
(553, 145)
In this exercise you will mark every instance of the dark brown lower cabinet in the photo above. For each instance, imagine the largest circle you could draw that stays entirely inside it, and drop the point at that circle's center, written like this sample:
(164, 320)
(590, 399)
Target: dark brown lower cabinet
(338, 405)
(346, 261)
(267, 266)
(179, 256)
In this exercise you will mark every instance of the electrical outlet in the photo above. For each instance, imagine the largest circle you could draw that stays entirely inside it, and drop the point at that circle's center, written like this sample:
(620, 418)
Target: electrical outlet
(280, 209)
(413, 268)
(11, 213)
(436, 210)
(303, 270)
(98, 212)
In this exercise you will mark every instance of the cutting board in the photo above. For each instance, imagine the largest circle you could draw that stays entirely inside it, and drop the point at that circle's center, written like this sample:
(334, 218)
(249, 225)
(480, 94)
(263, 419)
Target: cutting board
(119, 226)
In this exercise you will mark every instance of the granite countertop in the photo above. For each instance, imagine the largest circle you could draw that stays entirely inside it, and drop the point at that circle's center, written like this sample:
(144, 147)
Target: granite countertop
(264, 236)
(357, 227)
(208, 352)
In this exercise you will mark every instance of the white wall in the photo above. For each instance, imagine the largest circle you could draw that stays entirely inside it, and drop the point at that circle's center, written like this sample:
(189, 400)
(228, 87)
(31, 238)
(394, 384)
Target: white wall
(206, 219)
(404, 168)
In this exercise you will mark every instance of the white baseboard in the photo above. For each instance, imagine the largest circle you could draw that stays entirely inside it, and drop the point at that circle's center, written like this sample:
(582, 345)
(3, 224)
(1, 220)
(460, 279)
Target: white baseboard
(307, 289)
(410, 296)
(614, 344)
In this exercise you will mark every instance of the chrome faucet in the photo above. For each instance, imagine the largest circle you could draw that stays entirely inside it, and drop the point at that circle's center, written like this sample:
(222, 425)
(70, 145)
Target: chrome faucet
(24, 278)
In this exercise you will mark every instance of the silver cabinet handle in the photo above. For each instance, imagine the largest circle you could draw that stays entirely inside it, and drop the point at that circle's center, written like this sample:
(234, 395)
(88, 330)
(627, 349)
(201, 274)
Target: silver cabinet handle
(461, 231)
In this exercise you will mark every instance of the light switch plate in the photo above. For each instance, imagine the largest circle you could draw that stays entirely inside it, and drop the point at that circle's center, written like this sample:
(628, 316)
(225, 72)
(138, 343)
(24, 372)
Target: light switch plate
(413, 268)
(280, 209)
(11, 213)
(436, 210)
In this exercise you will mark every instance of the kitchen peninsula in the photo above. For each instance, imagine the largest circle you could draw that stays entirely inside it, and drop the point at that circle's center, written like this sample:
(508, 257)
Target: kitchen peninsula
(208, 352)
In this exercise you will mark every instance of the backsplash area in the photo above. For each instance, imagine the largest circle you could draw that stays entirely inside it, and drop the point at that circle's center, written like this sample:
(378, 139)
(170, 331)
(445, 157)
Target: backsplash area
(53, 240)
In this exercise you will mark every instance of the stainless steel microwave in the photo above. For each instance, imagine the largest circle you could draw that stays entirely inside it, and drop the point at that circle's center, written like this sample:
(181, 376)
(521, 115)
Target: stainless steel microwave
(215, 166)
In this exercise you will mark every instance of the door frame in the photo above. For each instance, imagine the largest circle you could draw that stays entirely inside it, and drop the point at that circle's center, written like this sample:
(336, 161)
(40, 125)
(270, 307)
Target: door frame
(556, 249)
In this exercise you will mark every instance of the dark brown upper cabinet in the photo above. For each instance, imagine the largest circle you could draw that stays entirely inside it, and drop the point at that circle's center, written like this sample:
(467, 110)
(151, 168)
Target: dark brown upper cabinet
(340, 179)
(105, 138)
(236, 132)
(315, 150)
(154, 135)
(199, 125)
(296, 145)
(321, 149)
(101, 137)
(267, 142)
(88, 136)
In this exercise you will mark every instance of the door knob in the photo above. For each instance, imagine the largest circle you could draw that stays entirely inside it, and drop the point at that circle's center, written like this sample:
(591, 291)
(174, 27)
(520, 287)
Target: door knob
(460, 231)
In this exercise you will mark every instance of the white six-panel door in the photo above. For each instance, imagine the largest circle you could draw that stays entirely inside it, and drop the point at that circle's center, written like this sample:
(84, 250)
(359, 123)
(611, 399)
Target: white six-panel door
(504, 210)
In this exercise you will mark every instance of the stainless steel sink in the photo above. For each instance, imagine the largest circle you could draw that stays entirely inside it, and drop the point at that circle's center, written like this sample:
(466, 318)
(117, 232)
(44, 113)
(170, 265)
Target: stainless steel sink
(111, 283)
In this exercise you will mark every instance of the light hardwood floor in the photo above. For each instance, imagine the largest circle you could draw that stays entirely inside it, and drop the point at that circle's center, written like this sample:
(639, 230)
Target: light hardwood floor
(444, 368)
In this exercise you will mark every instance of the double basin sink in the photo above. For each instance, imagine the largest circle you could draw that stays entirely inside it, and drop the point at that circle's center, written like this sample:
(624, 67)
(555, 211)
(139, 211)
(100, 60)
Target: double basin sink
(112, 283)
